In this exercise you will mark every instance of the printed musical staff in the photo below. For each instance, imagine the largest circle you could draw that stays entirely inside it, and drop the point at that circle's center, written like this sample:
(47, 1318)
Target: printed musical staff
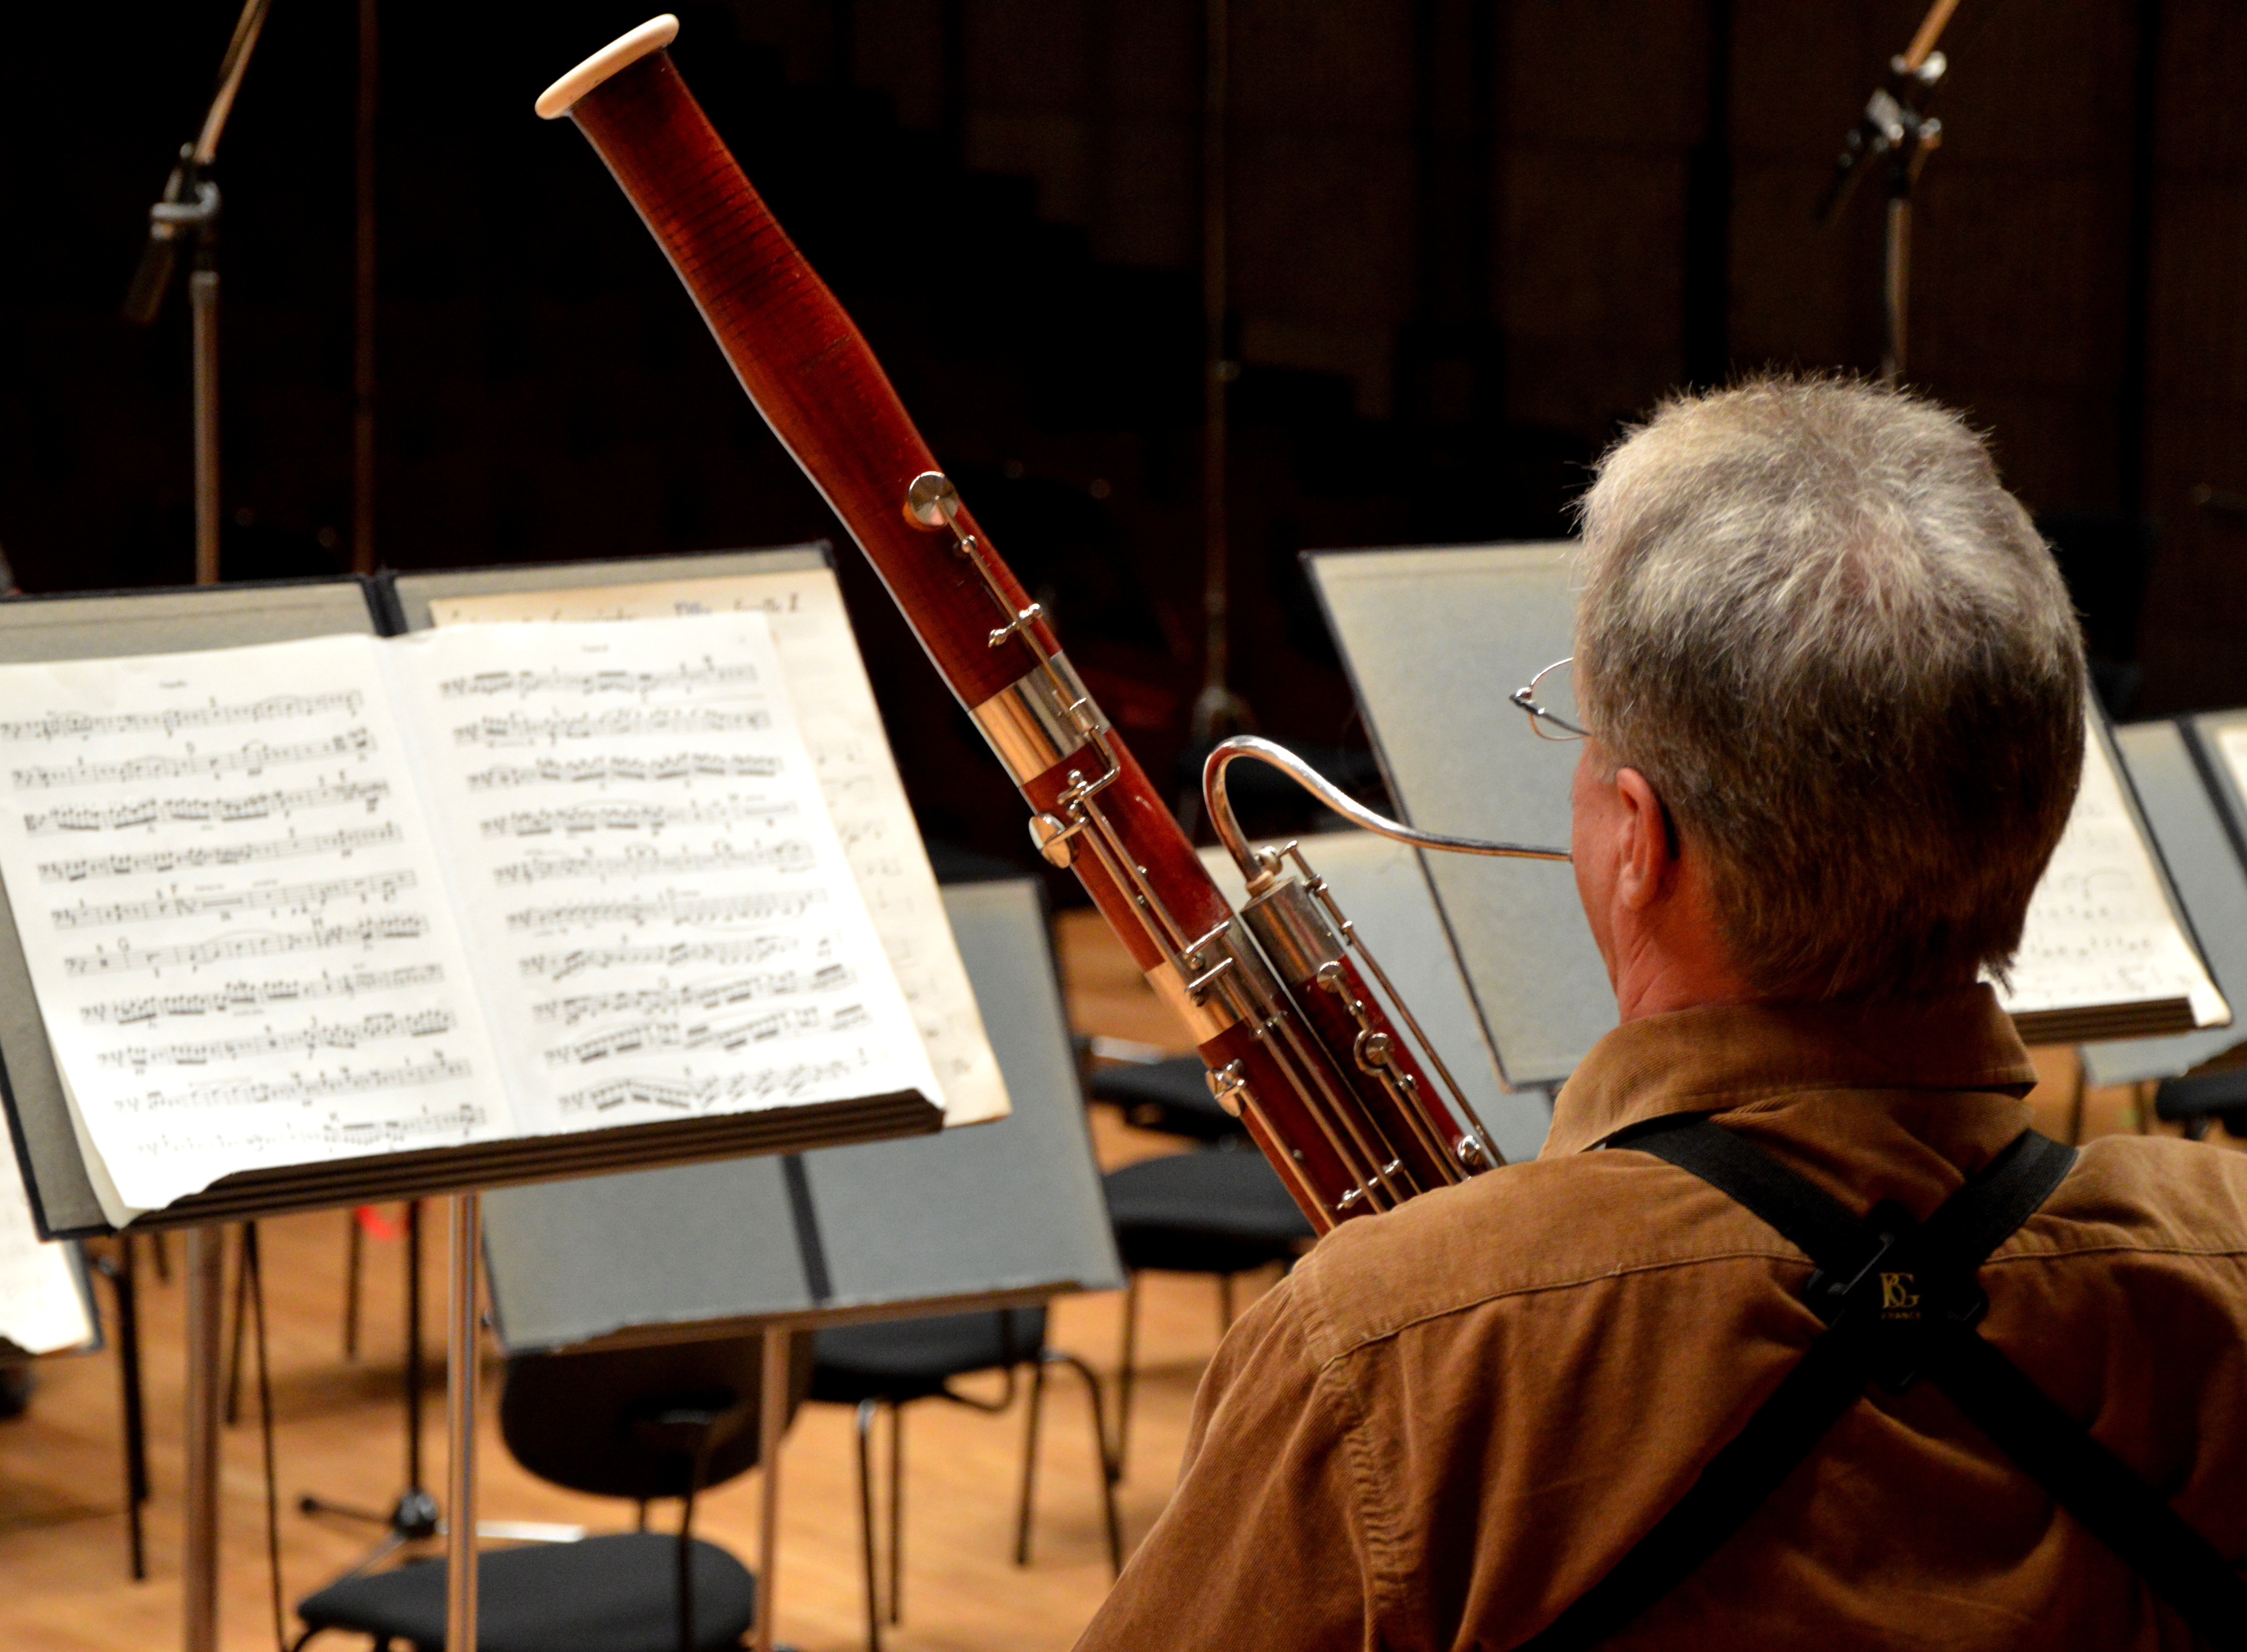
(223, 903)
(564, 682)
(196, 857)
(306, 1040)
(253, 759)
(367, 931)
(578, 820)
(517, 729)
(561, 966)
(789, 855)
(709, 995)
(197, 811)
(703, 1096)
(597, 771)
(311, 1086)
(653, 1035)
(671, 906)
(246, 998)
(169, 722)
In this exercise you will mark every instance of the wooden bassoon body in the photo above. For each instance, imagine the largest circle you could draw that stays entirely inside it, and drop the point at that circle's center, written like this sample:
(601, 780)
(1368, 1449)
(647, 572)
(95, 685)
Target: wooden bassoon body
(1298, 1045)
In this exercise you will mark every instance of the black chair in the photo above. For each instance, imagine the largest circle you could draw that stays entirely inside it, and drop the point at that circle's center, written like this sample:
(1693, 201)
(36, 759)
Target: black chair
(2199, 1100)
(669, 1421)
(1220, 1211)
(892, 1363)
(1171, 1096)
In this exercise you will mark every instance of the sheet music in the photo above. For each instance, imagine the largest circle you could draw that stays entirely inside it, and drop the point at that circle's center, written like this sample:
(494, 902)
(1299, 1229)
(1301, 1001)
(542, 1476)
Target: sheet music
(661, 914)
(2100, 929)
(234, 916)
(857, 776)
(41, 1308)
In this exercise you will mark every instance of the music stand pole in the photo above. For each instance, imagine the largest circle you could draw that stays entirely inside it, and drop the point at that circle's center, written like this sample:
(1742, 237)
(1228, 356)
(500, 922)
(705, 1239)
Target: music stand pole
(187, 215)
(199, 1568)
(460, 1422)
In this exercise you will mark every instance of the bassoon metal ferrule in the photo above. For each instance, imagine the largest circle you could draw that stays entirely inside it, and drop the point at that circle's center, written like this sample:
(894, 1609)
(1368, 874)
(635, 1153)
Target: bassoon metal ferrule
(1295, 934)
(1229, 984)
(1041, 717)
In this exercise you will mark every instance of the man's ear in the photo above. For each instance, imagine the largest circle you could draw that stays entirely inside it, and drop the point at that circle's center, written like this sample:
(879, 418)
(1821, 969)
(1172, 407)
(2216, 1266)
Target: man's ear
(1648, 861)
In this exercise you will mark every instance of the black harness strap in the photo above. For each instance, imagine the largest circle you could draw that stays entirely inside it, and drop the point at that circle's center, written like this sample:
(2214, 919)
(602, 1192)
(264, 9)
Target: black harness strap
(1900, 1300)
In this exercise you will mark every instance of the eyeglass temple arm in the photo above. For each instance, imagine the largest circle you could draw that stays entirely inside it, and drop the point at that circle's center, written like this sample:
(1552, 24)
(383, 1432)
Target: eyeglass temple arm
(1227, 824)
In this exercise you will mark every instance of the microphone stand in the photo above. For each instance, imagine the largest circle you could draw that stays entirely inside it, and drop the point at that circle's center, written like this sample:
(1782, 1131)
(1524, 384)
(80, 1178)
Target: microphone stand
(186, 218)
(1895, 128)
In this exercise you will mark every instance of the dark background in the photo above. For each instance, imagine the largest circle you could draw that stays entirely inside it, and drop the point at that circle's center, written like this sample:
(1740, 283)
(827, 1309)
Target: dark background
(1470, 238)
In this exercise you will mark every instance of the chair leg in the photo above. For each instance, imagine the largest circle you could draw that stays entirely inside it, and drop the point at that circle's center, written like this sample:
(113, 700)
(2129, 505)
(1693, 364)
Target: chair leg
(1224, 1305)
(1122, 1453)
(896, 1512)
(865, 1424)
(354, 1257)
(1030, 1460)
(241, 1319)
(122, 1277)
(1110, 1472)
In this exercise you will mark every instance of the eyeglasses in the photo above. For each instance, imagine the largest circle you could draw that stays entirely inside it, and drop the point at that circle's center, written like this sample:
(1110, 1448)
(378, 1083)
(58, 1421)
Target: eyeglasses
(1543, 722)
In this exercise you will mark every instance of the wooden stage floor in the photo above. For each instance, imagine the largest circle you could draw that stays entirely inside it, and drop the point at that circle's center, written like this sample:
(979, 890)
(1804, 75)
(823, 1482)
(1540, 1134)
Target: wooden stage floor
(340, 1432)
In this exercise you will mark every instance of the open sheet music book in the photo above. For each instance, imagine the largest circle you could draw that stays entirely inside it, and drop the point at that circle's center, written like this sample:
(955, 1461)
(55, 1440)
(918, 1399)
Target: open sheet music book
(2107, 951)
(313, 900)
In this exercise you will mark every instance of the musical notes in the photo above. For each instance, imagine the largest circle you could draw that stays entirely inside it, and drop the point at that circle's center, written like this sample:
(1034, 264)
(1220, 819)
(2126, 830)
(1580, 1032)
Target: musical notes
(857, 780)
(2100, 929)
(196, 857)
(696, 678)
(215, 956)
(308, 1039)
(264, 1092)
(628, 916)
(292, 898)
(803, 1079)
(253, 759)
(246, 998)
(789, 855)
(718, 994)
(172, 720)
(668, 907)
(578, 820)
(407, 926)
(516, 729)
(173, 811)
(625, 769)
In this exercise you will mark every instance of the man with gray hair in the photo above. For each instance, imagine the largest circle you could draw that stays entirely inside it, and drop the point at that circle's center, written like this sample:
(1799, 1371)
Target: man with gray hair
(1663, 1385)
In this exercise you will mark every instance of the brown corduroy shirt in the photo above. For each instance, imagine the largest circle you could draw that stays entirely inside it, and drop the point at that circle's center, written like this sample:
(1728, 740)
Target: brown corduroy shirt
(1450, 1420)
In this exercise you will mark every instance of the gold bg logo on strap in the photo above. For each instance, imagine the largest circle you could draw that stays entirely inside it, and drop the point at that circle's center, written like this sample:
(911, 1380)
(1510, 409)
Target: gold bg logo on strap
(1899, 1298)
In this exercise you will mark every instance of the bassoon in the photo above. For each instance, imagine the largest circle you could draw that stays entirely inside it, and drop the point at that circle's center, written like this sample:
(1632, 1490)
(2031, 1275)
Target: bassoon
(1298, 1045)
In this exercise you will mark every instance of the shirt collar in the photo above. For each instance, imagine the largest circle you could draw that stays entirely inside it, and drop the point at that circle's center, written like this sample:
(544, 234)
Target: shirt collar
(1710, 1059)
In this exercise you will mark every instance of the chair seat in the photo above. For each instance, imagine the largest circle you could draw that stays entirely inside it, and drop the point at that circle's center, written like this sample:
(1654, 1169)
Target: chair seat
(1171, 1096)
(616, 1593)
(899, 1360)
(1212, 1212)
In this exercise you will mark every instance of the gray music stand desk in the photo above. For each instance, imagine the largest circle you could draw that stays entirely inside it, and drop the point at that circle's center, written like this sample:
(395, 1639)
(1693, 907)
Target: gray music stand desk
(2186, 802)
(1379, 884)
(1000, 1214)
(1434, 640)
